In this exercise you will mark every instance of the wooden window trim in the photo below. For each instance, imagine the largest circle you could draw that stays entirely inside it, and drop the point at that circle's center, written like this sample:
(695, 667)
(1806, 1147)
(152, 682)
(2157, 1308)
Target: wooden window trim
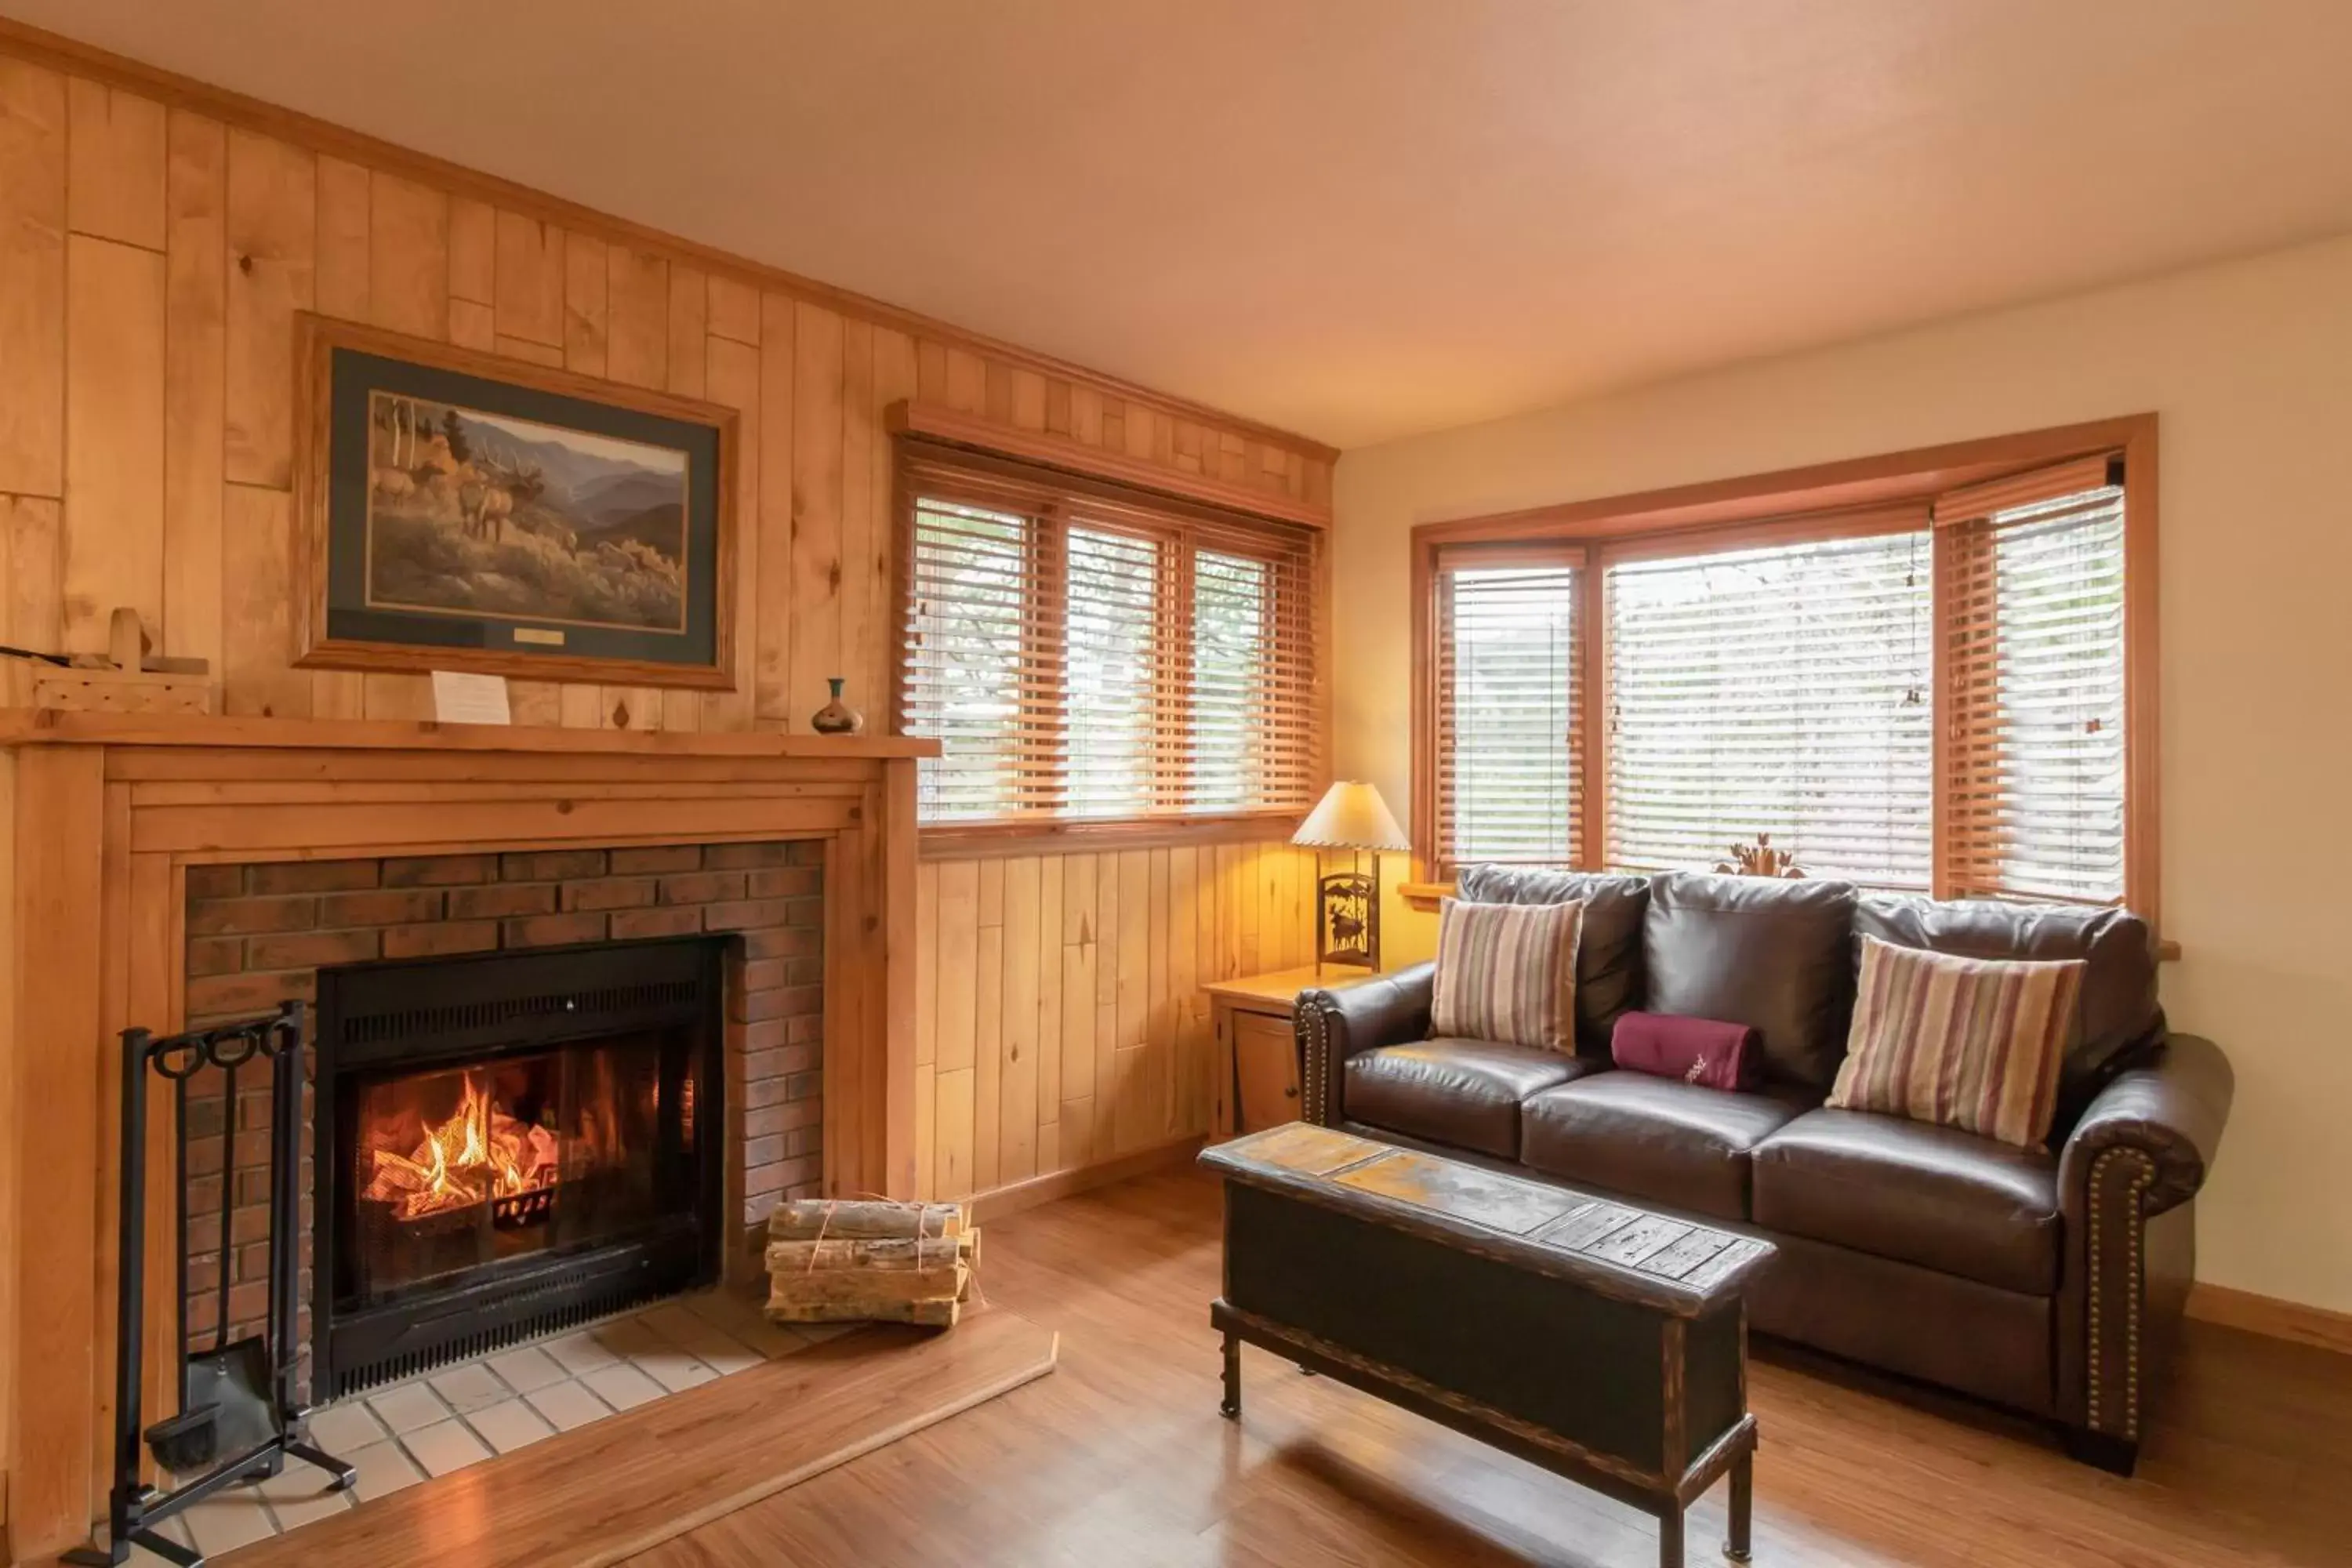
(1182, 523)
(1433, 613)
(981, 840)
(952, 427)
(1790, 505)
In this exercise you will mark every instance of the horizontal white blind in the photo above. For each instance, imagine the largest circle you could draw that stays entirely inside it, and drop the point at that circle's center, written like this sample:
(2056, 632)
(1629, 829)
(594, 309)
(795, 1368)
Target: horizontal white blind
(1083, 653)
(1781, 690)
(1112, 664)
(969, 679)
(1509, 757)
(2035, 664)
(1231, 718)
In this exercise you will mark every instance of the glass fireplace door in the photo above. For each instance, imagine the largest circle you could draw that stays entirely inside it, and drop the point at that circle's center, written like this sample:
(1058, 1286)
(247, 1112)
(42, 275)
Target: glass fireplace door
(454, 1169)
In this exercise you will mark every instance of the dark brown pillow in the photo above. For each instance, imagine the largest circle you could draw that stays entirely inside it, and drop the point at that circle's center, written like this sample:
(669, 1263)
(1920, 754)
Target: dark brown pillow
(1776, 954)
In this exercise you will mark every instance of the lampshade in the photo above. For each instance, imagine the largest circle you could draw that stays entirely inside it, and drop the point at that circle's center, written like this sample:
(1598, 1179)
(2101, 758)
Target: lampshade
(1351, 816)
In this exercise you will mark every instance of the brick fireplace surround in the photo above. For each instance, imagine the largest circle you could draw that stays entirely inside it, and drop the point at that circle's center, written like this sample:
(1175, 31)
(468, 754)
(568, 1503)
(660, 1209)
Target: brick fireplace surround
(171, 870)
(260, 933)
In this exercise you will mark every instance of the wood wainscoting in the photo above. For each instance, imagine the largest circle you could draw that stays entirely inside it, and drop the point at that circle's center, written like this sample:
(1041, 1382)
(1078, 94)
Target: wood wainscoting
(110, 812)
(1060, 1025)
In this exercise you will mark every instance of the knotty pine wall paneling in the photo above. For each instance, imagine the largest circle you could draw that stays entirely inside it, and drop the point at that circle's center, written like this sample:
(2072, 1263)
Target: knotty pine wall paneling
(1059, 1021)
(11, 1164)
(158, 238)
(154, 257)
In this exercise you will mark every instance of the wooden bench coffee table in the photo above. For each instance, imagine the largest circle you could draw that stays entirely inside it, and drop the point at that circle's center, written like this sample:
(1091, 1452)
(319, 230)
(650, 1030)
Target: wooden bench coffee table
(1604, 1343)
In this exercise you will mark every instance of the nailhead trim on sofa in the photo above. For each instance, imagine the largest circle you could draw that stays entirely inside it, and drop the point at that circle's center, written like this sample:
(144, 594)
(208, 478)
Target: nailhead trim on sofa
(1314, 1027)
(2141, 1173)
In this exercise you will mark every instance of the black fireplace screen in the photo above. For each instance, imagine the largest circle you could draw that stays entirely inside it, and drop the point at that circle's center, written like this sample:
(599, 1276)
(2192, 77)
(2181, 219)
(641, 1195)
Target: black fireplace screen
(512, 1143)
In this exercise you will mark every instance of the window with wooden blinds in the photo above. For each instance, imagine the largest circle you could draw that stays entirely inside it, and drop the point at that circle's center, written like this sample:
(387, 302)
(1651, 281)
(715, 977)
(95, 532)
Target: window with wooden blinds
(1234, 715)
(2034, 685)
(970, 677)
(1112, 693)
(1782, 690)
(1088, 653)
(1932, 670)
(1509, 674)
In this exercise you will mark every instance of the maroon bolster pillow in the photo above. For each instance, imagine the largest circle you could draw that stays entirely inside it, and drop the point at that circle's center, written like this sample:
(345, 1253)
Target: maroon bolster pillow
(1703, 1051)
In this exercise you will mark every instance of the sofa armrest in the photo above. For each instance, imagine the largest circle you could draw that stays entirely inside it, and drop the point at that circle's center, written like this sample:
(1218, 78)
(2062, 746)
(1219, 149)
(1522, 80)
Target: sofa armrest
(2126, 1178)
(2170, 1111)
(1333, 1026)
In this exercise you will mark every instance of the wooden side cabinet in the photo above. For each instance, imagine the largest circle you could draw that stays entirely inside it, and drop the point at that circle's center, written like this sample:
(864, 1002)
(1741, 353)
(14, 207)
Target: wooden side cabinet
(1257, 1045)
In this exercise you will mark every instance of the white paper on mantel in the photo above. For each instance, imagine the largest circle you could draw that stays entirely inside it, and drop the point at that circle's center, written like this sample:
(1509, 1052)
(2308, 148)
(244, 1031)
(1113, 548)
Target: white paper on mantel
(462, 699)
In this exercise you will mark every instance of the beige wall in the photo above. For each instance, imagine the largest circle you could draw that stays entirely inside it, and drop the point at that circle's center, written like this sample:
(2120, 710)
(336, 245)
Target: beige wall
(2250, 366)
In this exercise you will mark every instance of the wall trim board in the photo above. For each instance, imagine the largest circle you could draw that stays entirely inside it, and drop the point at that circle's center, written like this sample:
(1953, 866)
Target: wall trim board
(948, 426)
(1005, 1202)
(2269, 1316)
(1065, 836)
(58, 52)
(1875, 479)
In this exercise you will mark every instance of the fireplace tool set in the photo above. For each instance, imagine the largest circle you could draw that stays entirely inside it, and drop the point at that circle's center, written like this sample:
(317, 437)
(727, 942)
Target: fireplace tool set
(240, 1414)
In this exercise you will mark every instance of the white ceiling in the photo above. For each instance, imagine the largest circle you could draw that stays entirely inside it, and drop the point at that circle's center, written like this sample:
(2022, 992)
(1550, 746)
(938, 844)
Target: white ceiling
(1359, 218)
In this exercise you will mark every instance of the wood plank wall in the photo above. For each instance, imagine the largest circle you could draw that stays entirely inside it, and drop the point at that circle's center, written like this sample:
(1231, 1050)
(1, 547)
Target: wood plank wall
(156, 240)
(153, 259)
(1059, 1020)
(12, 1173)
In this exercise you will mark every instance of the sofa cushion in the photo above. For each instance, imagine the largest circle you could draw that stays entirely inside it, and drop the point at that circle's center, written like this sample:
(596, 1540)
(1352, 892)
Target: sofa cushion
(1608, 952)
(1506, 972)
(2115, 1015)
(1966, 1043)
(1465, 1093)
(1943, 1199)
(1777, 955)
(1651, 1139)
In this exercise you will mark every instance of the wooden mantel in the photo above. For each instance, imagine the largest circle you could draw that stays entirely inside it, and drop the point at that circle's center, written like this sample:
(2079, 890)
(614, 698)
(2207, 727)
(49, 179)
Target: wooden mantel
(28, 727)
(110, 811)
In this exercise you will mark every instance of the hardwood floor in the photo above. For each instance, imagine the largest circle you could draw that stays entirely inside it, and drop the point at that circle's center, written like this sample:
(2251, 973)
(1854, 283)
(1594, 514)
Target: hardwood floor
(1120, 1457)
(614, 1487)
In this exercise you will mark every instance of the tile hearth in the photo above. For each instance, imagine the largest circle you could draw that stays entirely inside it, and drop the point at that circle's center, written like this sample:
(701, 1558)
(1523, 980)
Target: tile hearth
(470, 1411)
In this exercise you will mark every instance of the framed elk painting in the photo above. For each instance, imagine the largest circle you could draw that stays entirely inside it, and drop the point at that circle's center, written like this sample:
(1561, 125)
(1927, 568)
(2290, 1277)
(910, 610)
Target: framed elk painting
(461, 511)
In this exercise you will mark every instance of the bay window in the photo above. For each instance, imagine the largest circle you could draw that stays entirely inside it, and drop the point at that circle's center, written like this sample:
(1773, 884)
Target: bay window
(1778, 690)
(1902, 681)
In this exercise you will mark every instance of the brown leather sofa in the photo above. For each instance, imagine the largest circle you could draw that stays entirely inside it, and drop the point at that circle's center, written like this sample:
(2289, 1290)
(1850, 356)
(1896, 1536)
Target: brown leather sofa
(2047, 1280)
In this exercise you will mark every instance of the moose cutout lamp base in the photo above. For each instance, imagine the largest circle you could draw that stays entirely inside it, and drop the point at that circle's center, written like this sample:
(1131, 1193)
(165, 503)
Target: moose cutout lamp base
(1351, 816)
(1348, 916)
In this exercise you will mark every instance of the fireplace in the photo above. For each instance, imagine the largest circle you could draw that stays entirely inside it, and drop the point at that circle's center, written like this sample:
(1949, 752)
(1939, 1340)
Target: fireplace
(509, 1143)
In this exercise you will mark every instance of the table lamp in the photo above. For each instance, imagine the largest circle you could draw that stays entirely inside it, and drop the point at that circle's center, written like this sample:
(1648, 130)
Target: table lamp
(1351, 816)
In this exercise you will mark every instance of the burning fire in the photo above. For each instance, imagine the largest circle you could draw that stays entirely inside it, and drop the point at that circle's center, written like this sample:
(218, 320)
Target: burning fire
(480, 1153)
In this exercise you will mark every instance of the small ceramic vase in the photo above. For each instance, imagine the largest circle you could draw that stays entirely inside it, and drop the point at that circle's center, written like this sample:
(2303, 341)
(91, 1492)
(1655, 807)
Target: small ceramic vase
(836, 717)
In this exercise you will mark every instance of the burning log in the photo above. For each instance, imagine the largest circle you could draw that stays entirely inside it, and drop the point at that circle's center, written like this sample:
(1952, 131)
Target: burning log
(869, 1261)
(478, 1156)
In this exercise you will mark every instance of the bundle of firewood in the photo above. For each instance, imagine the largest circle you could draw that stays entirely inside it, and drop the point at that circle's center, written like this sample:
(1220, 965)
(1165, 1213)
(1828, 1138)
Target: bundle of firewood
(845, 1261)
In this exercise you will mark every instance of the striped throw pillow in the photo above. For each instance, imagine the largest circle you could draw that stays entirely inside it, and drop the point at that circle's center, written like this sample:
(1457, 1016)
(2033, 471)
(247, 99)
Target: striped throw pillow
(1506, 972)
(1971, 1042)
